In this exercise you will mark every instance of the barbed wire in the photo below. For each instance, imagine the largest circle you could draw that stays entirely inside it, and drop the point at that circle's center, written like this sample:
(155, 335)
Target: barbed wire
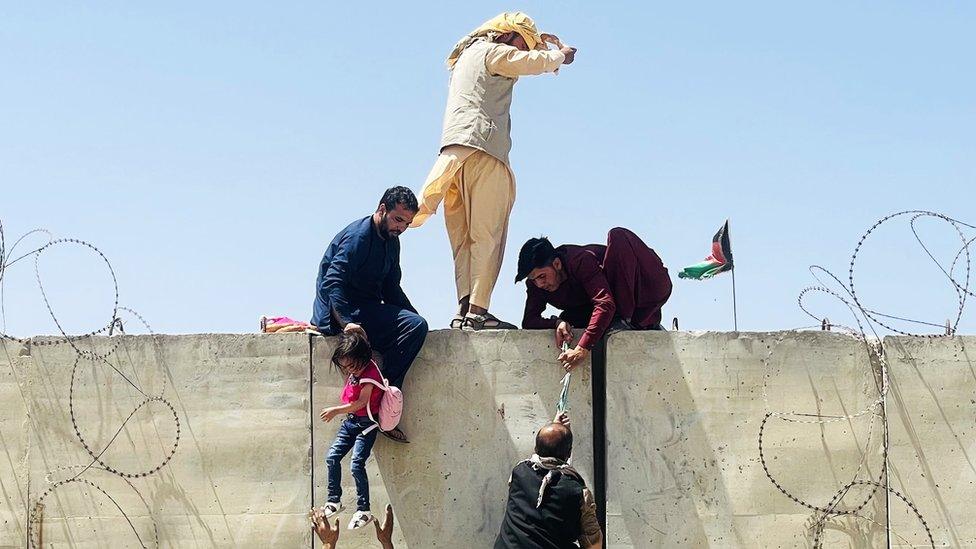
(868, 321)
(114, 333)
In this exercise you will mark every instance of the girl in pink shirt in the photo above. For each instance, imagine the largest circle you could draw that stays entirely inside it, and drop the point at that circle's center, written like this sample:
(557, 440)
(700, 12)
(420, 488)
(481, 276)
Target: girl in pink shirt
(353, 357)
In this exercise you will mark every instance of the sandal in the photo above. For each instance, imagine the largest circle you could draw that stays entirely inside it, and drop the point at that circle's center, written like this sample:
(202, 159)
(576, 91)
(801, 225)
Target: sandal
(396, 435)
(360, 519)
(332, 508)
(486, 321)
(457, 322)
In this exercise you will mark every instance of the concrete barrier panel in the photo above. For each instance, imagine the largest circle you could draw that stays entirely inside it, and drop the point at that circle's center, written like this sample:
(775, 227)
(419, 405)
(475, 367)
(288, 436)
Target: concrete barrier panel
(239, 476)
(932, 421)
(473, 404)
(14, 366)
(683, 418)
(684, 414)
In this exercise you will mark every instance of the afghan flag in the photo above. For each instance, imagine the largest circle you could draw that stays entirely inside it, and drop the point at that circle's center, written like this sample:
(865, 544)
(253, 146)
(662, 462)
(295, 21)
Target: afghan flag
(720, 260)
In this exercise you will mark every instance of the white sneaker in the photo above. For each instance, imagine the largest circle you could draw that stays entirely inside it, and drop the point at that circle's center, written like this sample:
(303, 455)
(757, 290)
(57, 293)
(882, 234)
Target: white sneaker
(360, 519)
(332, 509)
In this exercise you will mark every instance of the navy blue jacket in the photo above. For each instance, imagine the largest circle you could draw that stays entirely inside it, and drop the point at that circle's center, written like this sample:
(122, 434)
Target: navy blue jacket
(358, 268)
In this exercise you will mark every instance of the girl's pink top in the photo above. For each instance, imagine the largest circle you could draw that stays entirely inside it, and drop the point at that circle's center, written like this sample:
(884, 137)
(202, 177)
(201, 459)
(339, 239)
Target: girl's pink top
(350, 393)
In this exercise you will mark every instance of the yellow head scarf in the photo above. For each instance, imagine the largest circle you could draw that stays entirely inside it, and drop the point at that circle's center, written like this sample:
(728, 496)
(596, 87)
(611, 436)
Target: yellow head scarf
(503, 23)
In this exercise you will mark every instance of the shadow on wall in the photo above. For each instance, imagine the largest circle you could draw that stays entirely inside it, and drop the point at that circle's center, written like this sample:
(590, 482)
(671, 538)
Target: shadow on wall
(684, 412)
(933, 456)
(239, 474)
(650, 435)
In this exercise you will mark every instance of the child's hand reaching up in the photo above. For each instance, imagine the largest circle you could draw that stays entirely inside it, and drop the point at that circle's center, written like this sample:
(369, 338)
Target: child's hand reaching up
(327, 414)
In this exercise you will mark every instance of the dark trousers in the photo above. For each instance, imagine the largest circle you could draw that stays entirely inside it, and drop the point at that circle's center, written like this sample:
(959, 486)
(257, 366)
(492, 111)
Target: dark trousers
(351, 437)
(638, 279)
(398, 334)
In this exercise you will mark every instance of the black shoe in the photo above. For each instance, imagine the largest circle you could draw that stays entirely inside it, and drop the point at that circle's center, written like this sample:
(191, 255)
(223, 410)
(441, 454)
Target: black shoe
(396, 435)
(487, 321)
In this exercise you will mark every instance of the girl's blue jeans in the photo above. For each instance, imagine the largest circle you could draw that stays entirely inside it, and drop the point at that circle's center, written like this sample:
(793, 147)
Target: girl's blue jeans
(351, 437)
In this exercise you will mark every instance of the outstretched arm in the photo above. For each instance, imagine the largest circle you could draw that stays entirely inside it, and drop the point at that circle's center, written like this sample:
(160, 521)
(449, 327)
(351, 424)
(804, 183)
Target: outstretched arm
(327, 533)
(511, 62)
(597, 288)
(384, 534)
(328, 413)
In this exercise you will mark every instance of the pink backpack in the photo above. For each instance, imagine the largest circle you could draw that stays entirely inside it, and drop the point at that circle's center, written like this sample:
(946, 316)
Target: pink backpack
(391, 406)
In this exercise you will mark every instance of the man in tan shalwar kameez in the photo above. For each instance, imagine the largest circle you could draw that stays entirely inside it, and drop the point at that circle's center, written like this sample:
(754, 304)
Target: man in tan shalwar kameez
(472, 175)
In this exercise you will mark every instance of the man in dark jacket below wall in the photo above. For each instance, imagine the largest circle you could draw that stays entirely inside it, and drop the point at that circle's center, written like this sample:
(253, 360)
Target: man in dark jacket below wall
(358, 288)
(549, 506)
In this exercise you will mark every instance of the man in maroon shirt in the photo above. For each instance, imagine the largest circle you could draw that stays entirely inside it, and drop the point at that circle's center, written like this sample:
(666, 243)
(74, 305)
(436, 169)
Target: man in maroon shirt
(623, 283)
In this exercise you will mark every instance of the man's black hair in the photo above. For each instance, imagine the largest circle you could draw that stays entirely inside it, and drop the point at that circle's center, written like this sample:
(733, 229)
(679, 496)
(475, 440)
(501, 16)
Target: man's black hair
(353, 347)
(400, 195)
(537, 252)
(557, 443)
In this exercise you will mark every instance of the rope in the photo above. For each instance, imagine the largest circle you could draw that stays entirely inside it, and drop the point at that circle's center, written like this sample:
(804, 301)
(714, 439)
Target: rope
(562, 404)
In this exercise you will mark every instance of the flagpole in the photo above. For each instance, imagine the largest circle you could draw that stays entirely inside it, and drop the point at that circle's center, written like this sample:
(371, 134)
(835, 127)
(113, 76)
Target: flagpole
(735, 316)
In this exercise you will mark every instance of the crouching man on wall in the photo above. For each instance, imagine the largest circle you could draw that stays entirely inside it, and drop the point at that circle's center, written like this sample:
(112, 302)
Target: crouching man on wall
(602, 288)
(358, 288)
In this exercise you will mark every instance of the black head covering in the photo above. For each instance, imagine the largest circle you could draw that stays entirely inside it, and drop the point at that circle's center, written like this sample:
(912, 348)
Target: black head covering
(537, 252)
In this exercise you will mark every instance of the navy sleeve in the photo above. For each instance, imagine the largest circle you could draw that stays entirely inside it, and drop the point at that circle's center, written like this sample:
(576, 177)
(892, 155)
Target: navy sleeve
(392, 292)
(347, 257)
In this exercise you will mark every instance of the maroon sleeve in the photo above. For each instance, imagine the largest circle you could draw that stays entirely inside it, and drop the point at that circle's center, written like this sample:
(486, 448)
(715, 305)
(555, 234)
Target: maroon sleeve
(535, 305)
(588, 272)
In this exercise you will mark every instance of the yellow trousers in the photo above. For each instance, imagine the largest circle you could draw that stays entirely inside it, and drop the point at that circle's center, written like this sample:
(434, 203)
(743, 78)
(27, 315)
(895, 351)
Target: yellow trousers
(478, 192)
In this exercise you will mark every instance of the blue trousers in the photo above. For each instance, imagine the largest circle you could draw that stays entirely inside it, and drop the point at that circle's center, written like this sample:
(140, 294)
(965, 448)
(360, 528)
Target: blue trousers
(351, 437)
(396, 333)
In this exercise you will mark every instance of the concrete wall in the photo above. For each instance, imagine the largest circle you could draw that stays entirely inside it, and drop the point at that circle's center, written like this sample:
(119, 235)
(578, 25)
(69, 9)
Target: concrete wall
(473, 405)
(683, 419)
(242, 474)
(932, 412)
(13, 444)
(239, 474)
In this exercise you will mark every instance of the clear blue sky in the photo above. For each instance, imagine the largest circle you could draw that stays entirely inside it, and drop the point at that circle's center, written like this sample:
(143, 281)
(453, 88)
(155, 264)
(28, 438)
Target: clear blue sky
(212, 150)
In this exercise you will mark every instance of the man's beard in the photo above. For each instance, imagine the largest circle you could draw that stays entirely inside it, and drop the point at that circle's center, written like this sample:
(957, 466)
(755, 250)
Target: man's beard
(385, 228)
